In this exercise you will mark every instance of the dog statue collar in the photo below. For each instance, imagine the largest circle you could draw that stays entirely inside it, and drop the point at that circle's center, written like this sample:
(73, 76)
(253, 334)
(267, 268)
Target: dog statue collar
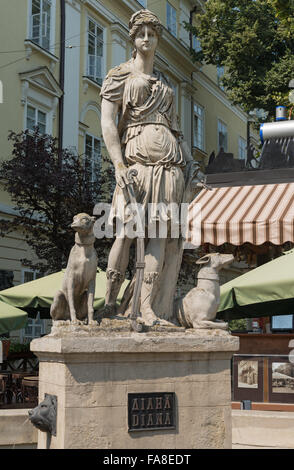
(208, 276)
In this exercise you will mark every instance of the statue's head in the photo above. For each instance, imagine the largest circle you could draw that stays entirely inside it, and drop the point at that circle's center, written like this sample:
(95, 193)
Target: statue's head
(138, 23)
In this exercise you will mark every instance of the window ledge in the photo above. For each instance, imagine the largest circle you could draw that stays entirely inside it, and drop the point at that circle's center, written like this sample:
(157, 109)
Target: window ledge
(31, 46)
(197, 150)
(89, 81)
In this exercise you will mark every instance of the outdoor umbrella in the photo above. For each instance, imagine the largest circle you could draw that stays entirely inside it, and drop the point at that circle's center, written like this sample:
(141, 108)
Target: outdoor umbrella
(265, 291)
(37, 296)
(11, 318)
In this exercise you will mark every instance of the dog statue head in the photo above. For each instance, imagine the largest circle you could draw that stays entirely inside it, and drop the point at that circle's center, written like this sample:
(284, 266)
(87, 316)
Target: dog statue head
(216, 261)
(43, 417)
(83, 223)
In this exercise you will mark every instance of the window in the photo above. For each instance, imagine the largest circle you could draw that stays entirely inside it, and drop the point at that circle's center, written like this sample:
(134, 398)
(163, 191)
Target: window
(29, 275)
(198, 129)
(171, 19)
(34, 329)
(242, 148)
(196, 45)
(222, 131)
(95, 51)
(35, 326)
(36, 117)
(41, 22)
(220, 74)
(143, 3)
(93, 156)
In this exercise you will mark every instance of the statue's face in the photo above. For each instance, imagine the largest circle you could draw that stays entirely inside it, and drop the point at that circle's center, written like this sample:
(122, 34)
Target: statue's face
(146, 40)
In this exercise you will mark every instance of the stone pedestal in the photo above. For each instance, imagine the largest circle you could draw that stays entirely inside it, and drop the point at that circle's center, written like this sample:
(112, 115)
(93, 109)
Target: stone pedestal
(92, 371)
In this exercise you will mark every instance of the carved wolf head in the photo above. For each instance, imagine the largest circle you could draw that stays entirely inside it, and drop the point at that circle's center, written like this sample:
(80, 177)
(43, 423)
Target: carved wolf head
(43, 417)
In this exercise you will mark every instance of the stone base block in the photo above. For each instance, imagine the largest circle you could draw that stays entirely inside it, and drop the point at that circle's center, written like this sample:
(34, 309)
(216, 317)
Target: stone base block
(92, 373)
(16, 430)
(263, 429)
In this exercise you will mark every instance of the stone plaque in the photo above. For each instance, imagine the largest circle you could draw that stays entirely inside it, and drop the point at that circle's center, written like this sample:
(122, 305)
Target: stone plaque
(149, 411)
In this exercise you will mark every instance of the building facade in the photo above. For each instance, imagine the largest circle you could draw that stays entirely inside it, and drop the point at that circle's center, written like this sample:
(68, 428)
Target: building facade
(55, 55)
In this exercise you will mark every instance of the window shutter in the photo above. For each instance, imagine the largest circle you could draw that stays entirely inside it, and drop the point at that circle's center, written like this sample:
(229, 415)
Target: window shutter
(45, 25)
(35, 33)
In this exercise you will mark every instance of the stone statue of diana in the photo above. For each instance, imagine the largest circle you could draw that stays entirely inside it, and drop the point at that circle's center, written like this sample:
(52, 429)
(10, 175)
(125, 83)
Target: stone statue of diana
(140, 129)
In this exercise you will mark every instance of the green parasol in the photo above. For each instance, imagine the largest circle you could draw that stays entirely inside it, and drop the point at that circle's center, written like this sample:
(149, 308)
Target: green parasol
(11, 318)
(265, 291)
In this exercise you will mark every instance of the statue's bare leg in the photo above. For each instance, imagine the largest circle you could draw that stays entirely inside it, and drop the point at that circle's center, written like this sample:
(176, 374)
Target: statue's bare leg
(118, 261)
(154, 258)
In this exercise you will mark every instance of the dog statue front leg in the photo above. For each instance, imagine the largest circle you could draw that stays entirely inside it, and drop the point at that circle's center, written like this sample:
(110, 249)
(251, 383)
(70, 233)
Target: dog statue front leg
(71, 305)
(91, 294)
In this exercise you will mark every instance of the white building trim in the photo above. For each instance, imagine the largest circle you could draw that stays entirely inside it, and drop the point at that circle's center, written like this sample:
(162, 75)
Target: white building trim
(90, 106)
(72, 75)
(120, 39)
(133, 5)
(42, 79)
(31, 46)
(83, 129)
(74, 4)
(40, 89)
(101, 10)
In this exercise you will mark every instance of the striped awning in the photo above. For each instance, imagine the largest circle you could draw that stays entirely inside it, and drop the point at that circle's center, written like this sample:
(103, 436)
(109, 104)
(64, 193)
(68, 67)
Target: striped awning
(238, 214)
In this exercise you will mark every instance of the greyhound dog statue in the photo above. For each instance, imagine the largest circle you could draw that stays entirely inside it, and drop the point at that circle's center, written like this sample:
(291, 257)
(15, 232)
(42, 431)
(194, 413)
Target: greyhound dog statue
(75, 299)
(198, 308)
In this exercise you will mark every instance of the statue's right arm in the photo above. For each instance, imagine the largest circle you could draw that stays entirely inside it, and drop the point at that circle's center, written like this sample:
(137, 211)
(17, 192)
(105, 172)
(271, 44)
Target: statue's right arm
(109, 112)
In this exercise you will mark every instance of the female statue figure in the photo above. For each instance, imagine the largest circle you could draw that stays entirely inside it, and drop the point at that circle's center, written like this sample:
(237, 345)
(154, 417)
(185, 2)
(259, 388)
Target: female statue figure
(141, 131)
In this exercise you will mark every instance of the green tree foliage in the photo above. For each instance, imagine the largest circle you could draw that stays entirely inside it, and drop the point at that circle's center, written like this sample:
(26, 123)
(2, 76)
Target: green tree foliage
(250, 39)
(47, 188)
(284, 13)
(240, 325)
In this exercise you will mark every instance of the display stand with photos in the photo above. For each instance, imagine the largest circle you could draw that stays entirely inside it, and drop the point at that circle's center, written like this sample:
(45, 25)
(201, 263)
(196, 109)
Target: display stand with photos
(263, 378)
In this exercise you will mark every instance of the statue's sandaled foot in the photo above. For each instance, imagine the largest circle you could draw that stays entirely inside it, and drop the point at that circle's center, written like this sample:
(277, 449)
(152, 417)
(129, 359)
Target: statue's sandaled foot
(76, 322)
(162, 322)
(149, 318)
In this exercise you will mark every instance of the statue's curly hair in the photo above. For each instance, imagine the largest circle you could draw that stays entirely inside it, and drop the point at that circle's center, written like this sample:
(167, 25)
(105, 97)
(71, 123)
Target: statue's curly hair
(144, 17)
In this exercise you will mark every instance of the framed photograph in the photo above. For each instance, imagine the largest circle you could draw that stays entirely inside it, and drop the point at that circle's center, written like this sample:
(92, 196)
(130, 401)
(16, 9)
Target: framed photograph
(247, 378)
(281, 380)
(248, 374)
